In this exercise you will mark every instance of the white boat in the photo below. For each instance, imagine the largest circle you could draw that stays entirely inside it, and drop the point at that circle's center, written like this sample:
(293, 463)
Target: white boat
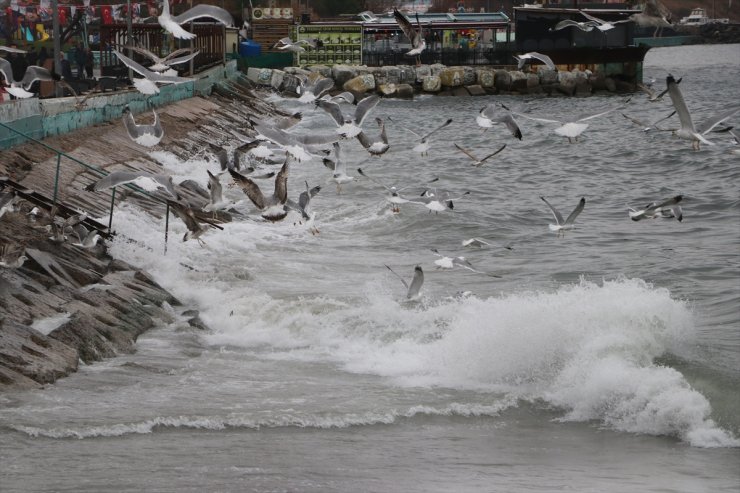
(698, 17)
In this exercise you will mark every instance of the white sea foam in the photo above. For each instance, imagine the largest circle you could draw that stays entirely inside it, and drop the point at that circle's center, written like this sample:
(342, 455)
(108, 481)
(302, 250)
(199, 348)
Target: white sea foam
(49, 324)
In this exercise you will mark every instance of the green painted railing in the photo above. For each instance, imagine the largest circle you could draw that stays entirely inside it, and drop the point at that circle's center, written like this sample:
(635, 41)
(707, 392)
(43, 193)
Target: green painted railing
(100, 172)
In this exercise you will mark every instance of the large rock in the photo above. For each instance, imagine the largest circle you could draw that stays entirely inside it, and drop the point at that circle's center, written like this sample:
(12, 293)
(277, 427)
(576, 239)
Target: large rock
(260, 76)
(468, 76)
(437, 68)
(532, 81)
(547, 76)
(422, 71)
(321, 69)
(405, 91)
(502, 80)
(476, 90)
(276, 80)
(387, 89)
(518, 81)
(406, 74)
(460, 91)
(391, 75)
(342, 73)
(567, 87)
(485, 78)
(360, 84)
(290, 84)
(431, 83)
(583, 88)
(452, 76)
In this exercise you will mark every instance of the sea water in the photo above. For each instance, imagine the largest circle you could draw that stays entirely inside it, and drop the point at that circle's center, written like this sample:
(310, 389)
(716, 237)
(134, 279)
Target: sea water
(605, 359)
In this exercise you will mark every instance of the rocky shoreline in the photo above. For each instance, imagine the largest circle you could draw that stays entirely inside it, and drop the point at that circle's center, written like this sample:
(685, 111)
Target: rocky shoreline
(66, 304)
(404, 81)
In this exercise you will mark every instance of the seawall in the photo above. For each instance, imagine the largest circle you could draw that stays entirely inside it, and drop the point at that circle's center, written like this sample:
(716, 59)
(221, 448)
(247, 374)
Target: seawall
(404, 81)
(67, 304)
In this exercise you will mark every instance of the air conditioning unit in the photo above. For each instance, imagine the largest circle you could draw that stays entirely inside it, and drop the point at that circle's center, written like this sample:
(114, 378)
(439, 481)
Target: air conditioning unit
(258, 13)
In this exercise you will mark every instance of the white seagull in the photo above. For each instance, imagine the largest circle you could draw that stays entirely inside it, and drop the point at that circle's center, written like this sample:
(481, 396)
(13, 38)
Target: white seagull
(688, 131)
(667, 208)
(148, 181)
(423, 146)
(533, 55)
(601, 24)
(21, 88)
(272, 207)
(476, 161)
(393, 197)
(349, 126)
(338, 167)
(146, 135)
(173, 24)
(148, 85)
(560, 226)
(491, 115)
(310, 91)
(378, 146)
(418, 44)
(412, 291)
(570, 129)
(164, 64)
(286, 44)
(583, 26)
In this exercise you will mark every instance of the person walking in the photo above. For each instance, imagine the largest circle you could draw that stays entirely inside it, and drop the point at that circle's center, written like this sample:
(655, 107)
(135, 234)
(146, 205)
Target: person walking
(66, 67)
(80, 60)
(89, 62)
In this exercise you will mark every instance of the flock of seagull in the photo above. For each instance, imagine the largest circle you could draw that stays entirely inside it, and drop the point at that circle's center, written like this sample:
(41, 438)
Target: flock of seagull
(275, 142)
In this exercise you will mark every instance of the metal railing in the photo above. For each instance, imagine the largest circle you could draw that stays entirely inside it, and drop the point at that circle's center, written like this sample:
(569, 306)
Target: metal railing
(101, 173)
(447, 56)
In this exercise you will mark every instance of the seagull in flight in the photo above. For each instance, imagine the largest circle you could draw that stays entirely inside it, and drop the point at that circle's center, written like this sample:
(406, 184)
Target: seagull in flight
(479, 243)
(393, 196)
(445, 262)
(20, 88)
(310, 91)
(159, 64)
(646, 127)
(583, 26)
(299, 146)
(570, 129)
(142, 134)
(601, 24)
(423, 146)
(412, 290)
(667, 208)
(491, 115)
(286, 44)
(437, 201)
(303, 206)
(148, 181)
(378, 146)
(173, 25)
(195, 228)
(479, 162)
(349, 126)
(272, 207)
(560, 226)
(148, 84)
(338, 167)
(688, 131)
(533, 55)
(418, 45)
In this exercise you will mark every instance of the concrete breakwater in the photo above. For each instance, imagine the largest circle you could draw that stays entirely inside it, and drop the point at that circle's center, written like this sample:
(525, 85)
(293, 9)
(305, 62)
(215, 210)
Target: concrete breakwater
(404, 81)
(66, 304)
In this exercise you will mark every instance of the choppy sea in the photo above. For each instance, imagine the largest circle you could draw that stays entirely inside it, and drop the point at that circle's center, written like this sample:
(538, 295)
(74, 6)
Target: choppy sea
(606, 359)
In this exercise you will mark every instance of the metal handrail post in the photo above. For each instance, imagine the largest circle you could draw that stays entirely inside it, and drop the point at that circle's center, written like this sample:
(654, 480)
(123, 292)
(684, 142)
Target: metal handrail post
(112, 203)
(166, 224)
(56, 180)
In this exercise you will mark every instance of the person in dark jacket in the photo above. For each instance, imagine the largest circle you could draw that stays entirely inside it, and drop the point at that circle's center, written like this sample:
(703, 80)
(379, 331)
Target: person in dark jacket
(80, 60)
(43, 56)
(66, 67)
(89, 62)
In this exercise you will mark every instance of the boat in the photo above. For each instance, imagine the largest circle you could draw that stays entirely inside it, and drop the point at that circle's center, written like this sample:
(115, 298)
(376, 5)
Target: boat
(698, 17)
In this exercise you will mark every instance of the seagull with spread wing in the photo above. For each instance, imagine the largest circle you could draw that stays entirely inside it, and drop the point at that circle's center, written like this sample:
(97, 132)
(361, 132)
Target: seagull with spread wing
(148, 84)
(349, 126)
(667, 208)
(418, 44)
(561, 225)
(571, 129)
(492, 114)
(412, 290)
(476, 161)
(272, 207)
(173, 24)
(147, 135)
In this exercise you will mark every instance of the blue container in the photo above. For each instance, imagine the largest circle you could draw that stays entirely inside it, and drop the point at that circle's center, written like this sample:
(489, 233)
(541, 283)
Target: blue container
(249, 48)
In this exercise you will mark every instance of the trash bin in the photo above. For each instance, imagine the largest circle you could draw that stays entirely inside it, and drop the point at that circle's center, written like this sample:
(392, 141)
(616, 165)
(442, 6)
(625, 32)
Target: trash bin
(249, 48)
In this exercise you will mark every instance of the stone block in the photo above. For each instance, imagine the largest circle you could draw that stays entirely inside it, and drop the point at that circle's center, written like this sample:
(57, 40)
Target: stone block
(342, 73)
(452, 76)
(406, 74)
(360, 84)
(547, 76)
(567, 87)
(437, 68)
(387, 89)
(583, 88)
(502, 80)
(610, 85)
(391, 75)
(321, 69)
(533, 80)
(431, 83)
(476, 90)
(405, 91)
(422, 71)
(260, 76)
(518, 81)
(276, 81)
(468, 76)
(485, 78)
(460, 91)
